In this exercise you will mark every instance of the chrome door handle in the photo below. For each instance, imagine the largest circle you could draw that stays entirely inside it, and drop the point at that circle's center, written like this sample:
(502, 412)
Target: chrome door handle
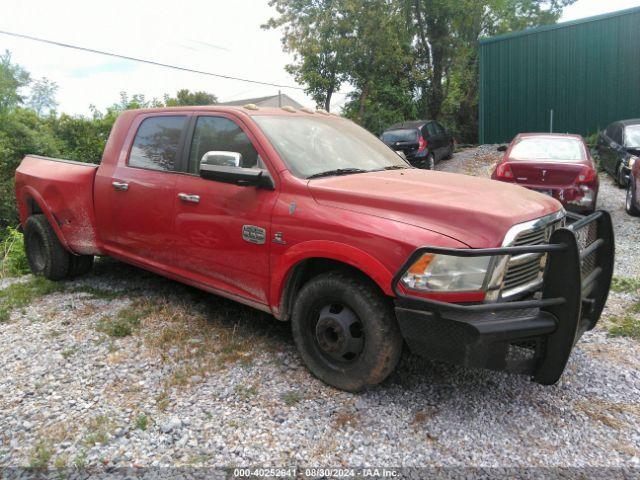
(185, 197)
(120, 186)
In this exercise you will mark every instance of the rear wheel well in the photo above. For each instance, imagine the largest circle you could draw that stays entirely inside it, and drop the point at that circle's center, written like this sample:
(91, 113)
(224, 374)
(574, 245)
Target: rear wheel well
(32, 207)
(307, 269)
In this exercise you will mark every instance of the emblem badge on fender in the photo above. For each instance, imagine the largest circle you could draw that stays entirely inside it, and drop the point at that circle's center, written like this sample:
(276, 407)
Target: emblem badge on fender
(253, 234)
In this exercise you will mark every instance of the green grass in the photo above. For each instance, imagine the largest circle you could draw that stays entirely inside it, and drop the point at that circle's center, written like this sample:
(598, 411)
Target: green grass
(70, 352)
(20, 295)
(123, 324)
(97, 431)
(625, 284)
(40, 455)
(291, 397)
(245, 392)
(81, 460)
(142, 422)
(625, 326)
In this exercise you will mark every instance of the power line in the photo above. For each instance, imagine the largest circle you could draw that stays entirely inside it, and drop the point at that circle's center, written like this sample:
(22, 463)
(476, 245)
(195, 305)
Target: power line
(141, 60)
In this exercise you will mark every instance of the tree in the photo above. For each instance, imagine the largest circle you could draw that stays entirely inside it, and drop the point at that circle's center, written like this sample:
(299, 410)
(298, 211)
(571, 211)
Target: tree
(43, 96)
(316, 33)
(404, 58)
(12, 79)
(185, 97)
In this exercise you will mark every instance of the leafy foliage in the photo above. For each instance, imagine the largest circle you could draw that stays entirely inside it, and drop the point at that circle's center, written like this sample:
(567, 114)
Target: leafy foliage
(14, 261)
(405, 59)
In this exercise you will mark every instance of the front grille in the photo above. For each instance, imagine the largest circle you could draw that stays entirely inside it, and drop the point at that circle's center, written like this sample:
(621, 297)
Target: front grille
(532, 237)
(524, 272)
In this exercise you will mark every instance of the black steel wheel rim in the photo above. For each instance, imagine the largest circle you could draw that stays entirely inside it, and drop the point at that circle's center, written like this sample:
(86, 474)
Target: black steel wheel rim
(338, 333)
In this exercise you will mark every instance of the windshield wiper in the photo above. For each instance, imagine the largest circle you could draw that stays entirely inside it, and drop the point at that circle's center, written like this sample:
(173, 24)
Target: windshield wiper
(337, 171)
(396, 167)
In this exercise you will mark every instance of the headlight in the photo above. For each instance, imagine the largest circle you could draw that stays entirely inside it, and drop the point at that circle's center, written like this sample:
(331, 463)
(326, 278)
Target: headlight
(632, 161)
(448, 273)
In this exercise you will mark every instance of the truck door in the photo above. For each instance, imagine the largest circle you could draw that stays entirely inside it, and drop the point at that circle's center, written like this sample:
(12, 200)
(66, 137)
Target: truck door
(135, 199)
(223, 230)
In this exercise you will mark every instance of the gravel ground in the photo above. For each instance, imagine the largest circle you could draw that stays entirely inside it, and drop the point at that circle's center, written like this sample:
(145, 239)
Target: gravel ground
(125, 368)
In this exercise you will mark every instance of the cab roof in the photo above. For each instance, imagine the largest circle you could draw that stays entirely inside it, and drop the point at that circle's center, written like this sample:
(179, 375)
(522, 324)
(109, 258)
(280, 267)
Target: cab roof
(252, 112)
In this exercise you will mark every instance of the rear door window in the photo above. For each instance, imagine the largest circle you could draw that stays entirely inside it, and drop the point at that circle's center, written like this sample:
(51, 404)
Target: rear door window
(220, 134)
(157, 143)
(400, 135)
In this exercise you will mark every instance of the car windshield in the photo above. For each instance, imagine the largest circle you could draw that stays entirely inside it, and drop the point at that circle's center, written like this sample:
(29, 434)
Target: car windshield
(402, 135)
(548, 148)
(632, 136)
(312, 146)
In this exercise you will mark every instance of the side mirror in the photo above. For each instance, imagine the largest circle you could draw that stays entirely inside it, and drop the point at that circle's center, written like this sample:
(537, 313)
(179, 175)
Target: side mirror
(502, 148)
(222, 159)
(245, 177)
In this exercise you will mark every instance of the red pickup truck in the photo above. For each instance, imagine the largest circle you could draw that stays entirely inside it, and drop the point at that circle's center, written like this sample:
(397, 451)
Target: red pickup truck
(309, 217)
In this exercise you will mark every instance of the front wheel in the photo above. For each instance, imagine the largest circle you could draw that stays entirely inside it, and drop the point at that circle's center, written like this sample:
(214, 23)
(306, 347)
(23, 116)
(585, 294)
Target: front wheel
(345, 331)
(631, 201)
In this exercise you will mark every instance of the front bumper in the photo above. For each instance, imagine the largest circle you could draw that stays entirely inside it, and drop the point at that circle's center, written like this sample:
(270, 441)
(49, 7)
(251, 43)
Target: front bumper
(532, 336)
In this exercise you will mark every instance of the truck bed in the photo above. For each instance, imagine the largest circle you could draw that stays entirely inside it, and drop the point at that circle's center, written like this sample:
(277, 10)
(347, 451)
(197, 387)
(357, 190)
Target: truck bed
(63, 191)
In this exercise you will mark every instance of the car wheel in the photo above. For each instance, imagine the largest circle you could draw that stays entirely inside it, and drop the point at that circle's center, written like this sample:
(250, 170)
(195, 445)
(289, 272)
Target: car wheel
(620, 178)
(449, 154)
(431, 162)
(345, 331)
(631, 201)
(45, 254)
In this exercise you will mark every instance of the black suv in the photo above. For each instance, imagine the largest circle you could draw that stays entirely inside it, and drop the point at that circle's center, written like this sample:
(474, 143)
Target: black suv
(618, 146)
(423, 142)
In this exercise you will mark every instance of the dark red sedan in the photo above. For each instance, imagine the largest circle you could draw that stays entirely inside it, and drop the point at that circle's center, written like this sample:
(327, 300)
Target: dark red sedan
(554, 164)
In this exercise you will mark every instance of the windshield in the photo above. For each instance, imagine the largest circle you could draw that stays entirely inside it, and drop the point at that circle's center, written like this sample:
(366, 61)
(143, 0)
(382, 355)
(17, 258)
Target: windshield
(632, 134)
(314, 145)
(404, 135)
(548, 148)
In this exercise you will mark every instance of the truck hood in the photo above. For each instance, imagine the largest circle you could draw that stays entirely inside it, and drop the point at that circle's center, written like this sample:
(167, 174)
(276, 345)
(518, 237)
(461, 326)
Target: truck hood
(475, 211)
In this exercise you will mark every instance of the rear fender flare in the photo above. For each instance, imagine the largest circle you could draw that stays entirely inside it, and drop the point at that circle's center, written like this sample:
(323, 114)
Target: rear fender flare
(31, 194)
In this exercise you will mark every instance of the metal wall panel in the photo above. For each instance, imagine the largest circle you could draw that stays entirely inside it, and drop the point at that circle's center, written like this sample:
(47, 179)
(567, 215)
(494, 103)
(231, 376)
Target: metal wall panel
(587, 71)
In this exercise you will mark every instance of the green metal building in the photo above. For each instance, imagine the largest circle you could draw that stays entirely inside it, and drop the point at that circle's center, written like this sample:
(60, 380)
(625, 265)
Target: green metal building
(586, 71)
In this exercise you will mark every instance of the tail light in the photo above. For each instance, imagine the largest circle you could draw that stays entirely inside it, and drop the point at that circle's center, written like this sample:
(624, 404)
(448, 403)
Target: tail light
(586, 176)
(422, 143)
(503, 172)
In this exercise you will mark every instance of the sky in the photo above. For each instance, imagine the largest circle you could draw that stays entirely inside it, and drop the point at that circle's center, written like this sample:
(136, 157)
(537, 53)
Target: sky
(217, 36)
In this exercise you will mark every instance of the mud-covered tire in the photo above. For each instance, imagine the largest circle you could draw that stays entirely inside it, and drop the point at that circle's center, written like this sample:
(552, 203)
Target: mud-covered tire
(79, 265)
(381, 344)
(45, 254)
